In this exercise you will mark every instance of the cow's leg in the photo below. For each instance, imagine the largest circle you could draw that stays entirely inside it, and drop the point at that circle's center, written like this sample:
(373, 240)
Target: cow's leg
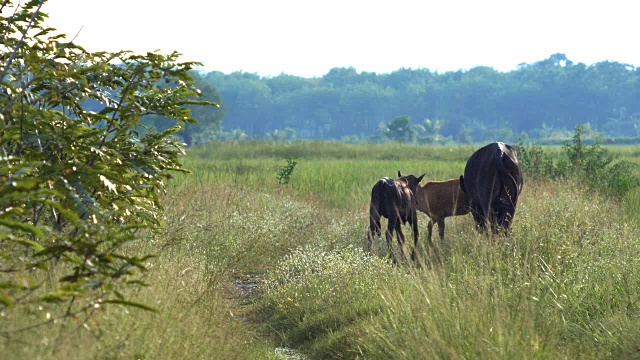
(507, 223)
(506, 212)
(495, 219)
(479, 217)
(494, 227)
(441, 229)
(430, 230)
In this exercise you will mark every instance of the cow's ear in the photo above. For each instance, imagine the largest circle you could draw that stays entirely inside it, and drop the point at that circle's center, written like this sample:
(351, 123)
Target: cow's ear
(420, 178)
(399, 175)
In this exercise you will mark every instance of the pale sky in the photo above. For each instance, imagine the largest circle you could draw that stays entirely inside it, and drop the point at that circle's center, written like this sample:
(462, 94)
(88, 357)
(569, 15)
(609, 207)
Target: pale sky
(308, 38)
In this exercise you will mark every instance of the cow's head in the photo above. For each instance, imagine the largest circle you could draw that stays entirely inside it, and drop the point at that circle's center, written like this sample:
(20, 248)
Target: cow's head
(502, 212)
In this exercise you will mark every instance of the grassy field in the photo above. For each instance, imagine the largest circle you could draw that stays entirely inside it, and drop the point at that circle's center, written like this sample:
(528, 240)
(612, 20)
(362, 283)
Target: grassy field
(249, 269)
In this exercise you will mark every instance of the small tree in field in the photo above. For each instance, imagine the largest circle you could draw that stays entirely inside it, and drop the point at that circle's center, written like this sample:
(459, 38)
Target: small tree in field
(77, 186)
(401, 130)
(429, 131)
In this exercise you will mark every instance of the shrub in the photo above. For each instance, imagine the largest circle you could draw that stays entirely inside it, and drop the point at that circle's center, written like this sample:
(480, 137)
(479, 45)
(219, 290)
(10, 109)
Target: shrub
(80, 177)
(591, 165)
(595, 166)
(535, 162)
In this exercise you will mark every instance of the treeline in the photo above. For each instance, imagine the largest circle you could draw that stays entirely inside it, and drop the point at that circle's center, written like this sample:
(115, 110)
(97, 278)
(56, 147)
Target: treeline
(542, 100)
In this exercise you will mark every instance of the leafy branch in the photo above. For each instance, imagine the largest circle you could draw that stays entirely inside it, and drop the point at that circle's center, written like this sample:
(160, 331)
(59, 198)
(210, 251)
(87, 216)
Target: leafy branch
(80, 177)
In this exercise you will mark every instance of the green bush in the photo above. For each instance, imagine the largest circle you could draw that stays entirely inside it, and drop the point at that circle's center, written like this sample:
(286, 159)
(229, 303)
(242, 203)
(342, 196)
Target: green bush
(80, 178)
(596, 167)
(591, 165)
(535, 162)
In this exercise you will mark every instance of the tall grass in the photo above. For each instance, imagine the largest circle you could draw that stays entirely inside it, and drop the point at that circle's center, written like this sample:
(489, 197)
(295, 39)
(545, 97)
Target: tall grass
(336, 183)
(216, 236)
(246, 266)
(564, 285)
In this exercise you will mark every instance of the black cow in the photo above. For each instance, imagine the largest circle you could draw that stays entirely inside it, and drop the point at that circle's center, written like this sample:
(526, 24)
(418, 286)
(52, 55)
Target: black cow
(396, 201)
(492, 182)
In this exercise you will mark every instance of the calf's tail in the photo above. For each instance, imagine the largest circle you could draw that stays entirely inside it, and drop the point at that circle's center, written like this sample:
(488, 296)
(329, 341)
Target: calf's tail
(374, 209)
(374, 214)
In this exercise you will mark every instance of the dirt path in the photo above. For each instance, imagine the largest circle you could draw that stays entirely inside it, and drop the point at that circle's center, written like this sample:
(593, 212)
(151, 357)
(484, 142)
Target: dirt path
(244, 288)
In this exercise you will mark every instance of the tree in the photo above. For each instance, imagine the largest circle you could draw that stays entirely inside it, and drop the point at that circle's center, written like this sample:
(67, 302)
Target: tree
(344, 102)
(400, 129)
(249, 102)
(283, 84)
(77, 184)
(209, 119)
(429, 131)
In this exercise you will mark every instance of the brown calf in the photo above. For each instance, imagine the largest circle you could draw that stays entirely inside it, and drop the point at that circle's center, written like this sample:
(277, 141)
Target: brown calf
(439, 200)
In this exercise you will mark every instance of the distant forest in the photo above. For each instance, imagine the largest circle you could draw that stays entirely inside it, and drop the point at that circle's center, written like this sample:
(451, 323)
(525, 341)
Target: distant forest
(542, 100)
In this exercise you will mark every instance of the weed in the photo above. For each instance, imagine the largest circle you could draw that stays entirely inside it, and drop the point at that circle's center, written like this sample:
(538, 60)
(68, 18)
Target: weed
(285, 171)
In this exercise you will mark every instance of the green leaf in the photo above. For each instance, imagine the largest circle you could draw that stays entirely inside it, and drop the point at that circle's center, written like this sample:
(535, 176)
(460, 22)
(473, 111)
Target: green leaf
(55, 249)
(9, 285)
(131, 303)
(24, 227)
(138, 282)
(32, 244)
(60, 296)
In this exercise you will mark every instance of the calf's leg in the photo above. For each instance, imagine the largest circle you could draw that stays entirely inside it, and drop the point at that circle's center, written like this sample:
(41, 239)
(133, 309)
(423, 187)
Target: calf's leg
(374, 229)
(389, 236)
(401, 239)
(429, 230)
(416, 233)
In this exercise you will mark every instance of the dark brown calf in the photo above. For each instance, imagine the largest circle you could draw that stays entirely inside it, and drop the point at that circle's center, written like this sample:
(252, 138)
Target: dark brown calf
(394, 200)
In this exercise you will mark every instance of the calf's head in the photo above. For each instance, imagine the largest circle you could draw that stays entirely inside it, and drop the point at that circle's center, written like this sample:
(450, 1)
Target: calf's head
(411, 181)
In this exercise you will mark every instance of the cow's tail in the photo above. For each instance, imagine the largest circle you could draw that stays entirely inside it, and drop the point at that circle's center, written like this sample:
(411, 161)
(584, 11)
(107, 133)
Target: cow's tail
(505, 173)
